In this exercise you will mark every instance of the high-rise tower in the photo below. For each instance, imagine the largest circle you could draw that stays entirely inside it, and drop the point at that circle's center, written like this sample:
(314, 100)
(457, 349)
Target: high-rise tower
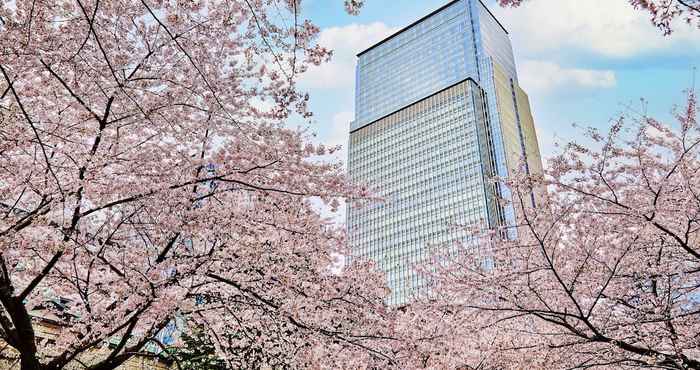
(438, 112)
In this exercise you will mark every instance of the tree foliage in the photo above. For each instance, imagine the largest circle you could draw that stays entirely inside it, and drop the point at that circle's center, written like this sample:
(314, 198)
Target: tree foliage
(606, 274)
(146, 172)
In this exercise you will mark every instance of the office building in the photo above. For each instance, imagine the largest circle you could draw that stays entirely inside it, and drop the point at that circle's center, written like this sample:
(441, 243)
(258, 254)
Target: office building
(439, 113)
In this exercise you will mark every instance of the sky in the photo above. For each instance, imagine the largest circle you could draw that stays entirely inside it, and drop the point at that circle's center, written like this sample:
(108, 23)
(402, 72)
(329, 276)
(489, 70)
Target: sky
(581, 62)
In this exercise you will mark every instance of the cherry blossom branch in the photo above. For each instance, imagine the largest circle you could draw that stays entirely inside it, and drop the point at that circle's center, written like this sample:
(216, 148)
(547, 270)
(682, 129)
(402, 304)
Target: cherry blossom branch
(267, 43)
(194, 65)
(31, 124)
(221, 178)
(301, 325)
(44, 272)
(70, 91)
(28, 217)
(97, 39)
(90, 27)
(684, 2)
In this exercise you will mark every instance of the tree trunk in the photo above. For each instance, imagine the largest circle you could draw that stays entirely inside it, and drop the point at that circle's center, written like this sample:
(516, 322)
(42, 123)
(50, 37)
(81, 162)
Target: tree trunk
(29, 363)
(24, 337)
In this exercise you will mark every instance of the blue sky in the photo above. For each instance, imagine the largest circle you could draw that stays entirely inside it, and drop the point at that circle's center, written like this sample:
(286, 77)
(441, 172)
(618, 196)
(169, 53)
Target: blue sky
(581, 62)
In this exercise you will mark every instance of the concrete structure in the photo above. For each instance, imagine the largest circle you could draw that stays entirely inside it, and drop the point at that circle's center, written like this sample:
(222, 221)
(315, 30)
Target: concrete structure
(439, 112)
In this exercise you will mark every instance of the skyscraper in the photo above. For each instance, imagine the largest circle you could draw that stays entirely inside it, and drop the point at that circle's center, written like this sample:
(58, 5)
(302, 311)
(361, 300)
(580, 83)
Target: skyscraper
(439, 112)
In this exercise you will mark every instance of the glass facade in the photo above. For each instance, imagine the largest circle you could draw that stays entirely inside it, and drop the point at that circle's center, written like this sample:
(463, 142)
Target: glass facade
(432, 126)
(426, 161)
(427, 57)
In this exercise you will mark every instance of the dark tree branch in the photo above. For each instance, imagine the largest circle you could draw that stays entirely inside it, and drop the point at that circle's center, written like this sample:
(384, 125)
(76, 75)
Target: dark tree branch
(44, 272)
(31, 123)
(70, 91)
(692, 7)
(97, 40)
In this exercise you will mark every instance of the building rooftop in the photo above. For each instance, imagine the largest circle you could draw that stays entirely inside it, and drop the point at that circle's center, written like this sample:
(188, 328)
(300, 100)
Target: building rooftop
(424, 18)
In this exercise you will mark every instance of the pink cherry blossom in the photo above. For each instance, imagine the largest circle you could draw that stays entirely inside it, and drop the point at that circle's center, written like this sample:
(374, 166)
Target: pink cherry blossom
(604, 274)
(147, 177)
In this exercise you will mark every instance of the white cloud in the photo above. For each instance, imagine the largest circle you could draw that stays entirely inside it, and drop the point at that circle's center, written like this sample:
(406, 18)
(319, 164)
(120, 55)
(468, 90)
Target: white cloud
(612, 28)
(345, 42)
(544, 77)
(336, 133)
(340, 133)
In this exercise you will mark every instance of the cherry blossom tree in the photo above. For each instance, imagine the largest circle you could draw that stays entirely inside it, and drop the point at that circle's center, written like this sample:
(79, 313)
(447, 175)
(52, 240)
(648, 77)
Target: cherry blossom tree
(604, 274)
(146, 174)
(663, 12)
